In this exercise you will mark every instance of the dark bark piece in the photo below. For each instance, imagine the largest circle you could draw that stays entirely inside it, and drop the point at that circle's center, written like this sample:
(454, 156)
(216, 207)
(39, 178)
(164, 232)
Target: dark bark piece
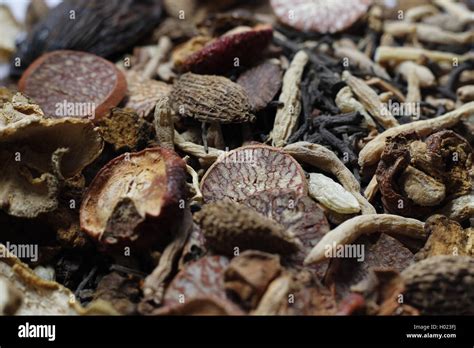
(104, 28)
(73, 84)
(261, 84)
(385, 253)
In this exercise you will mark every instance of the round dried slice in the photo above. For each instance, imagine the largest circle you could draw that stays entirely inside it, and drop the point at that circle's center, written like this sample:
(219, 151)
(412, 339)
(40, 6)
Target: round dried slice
(204, 277)
(135, 199)
(221, 55)
(322, 16)
(73, 84)
(247, 170)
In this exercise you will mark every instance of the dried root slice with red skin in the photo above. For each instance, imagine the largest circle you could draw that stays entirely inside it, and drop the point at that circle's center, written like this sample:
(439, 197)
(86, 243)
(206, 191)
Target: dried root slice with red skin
(135, 199)
(322, 16)
(250, 169)
(219, 56)
(65, 78)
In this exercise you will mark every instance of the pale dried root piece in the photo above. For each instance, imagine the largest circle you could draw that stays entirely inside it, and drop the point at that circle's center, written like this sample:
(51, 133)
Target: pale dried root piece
(164, 127)
(326, 160)
(384, 85)
(370, 100)
(228, 225)
(360, 60)
(371, 189)
(460, 208)
(458, 10)
(446, 237)
(421, 188)
(332, 195)
(346, 102)
(441, 285)
(387, 54)
(276, 293)
(351, 229)
(196, 150)
(465, 93)
(417, 13)
(195, 185)
(371, 153)
(428, 33)
(286, 119)
(416, 76)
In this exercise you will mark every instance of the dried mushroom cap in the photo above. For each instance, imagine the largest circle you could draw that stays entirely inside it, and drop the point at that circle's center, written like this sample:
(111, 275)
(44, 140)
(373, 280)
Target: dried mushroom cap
(39, 296)
(249, 275)
(247, 170)
(261, 83)
(210, 98)
(89, 85)
(135, 198)
(441, 285)
(219, 55)
(228, 225)
(34, 168)
(322, 16)
(446, 237)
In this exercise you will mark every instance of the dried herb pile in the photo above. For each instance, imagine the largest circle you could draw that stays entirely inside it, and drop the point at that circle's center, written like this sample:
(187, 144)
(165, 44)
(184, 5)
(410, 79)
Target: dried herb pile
(238, 157)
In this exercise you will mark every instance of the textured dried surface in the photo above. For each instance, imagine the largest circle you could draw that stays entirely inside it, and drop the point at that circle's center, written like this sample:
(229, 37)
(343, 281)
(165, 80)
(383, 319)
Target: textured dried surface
(261, 84)
(120, 291)
(210, 98)
(298, 214)
(249, 274)
(143, 94)
(228, 225)
(310, 301)
(251, 169)
(201, 305)
(421, 188)
(131, 191)
(102, 28)
(90, 85)
(125, 130)
(204, 277)
(219, 56)
(332, 195)
(387, 253)
(446, 237)
(441, 285)
(322, 16)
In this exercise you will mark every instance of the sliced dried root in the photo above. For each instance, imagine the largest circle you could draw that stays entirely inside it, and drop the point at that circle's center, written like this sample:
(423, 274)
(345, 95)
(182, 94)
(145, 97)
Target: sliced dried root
(197, 150)
(326, 160)
(351, 229)
(371, 153)
(386, 54)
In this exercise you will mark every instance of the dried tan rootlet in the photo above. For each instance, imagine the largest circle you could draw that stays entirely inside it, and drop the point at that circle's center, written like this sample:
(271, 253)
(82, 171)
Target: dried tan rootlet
(210, 98)
(441, 285)
(131, 191)
(350, 230)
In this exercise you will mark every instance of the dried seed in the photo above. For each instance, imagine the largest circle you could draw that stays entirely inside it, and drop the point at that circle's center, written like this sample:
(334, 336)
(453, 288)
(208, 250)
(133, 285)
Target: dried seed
(371, 152)
(209, 98)
(321, 16)
(90, 85)
(286, 119)
(326, 160)
(261, 84)
(351, 229)
(228, 225)
(441, 285)
(221, 55)
(332, 195)
(250, 169)
(131, 191)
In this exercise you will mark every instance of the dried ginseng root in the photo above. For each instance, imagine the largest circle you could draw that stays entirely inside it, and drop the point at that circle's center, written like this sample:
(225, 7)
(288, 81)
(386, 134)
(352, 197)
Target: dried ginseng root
(441, 285)
(88, 86)
(247, 170)
(136, 199)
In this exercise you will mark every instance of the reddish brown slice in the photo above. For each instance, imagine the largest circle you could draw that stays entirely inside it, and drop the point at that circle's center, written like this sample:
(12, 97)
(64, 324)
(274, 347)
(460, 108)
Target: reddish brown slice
(135, 199)
(247, 170)
(73, 84)
(220, 55)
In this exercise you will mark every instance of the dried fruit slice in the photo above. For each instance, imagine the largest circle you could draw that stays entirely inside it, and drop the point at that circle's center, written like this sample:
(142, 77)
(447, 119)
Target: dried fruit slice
(247, 170)
(228, 225)
(441, 285)
(209, 98)
(261, 84)
(135, 199)
(322, 16)
(204, 277)
(73, 84)
(220, 55)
